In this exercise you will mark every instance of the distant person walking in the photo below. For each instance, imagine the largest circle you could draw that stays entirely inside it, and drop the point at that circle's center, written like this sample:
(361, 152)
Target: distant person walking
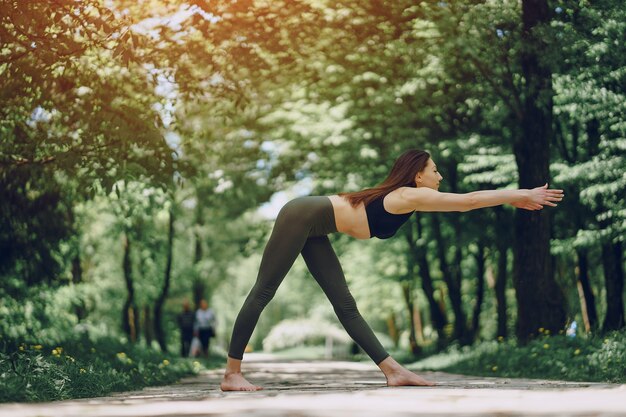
(186, 321)
(205, 326)
(302, 227)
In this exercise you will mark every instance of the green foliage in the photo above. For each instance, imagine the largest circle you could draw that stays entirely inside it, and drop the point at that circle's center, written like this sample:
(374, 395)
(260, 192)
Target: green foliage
(592, 358)
(75, 120)
(36, 311)
(30, 244)
(80, 367)
(589, 109)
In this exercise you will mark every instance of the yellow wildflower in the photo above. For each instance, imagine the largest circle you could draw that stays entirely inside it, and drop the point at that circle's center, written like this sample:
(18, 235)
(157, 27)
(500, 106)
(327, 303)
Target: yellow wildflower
(494, 369)
(122, 357)
(546, 346)
(37, 347)
(166, 362)
(22, 348)
(577, 352)
(82, 371)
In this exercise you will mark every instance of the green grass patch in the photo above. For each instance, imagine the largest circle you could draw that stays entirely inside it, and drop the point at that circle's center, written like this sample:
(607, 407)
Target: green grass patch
(594, 359)
(80, 368)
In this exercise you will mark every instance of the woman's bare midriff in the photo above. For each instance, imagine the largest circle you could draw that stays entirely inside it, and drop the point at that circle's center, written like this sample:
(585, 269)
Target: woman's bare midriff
(350, 220)
(353, 220)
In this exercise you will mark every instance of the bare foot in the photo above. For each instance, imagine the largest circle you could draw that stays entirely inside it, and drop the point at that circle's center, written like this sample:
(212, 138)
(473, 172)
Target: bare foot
(236, 382)
(404, 377)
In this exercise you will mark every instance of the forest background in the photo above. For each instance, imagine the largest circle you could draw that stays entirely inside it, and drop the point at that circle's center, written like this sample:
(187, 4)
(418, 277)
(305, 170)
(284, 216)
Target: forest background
(145, 147)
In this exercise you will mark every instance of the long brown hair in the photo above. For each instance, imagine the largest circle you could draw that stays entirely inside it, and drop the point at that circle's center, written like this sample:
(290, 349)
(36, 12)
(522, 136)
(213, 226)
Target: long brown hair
(402, 174)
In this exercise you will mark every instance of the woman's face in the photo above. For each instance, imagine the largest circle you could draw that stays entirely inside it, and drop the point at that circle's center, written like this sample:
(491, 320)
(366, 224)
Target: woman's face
(429, 177)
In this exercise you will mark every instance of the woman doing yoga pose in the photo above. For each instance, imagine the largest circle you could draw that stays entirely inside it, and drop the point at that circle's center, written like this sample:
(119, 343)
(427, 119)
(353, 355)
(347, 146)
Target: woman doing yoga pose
(302, 227)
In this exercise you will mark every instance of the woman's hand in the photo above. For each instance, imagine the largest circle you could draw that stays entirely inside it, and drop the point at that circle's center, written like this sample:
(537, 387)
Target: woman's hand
(539, 197)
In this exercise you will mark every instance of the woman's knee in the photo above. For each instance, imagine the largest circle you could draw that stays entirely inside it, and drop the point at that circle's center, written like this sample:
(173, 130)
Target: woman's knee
(346, 308)
(260, 296)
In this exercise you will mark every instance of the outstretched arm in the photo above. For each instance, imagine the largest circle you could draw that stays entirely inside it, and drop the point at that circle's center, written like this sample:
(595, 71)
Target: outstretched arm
(427, 199)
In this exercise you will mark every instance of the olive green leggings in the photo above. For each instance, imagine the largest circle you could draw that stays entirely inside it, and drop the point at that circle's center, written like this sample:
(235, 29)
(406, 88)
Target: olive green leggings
(302, 226)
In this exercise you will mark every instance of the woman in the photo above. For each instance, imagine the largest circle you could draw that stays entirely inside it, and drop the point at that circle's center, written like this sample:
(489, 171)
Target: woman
(302, 227)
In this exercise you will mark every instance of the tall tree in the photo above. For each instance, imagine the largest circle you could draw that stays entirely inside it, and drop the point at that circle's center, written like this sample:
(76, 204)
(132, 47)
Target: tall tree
(167, 278)
(591, 127)
(418, 247)
(540, 301)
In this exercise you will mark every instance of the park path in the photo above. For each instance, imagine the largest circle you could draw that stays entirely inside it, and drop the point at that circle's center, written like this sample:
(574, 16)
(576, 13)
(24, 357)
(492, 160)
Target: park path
(341, 389)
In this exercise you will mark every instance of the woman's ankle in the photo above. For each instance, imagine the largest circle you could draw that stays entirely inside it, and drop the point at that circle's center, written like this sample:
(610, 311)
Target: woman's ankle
(389, 366)
(233, 366)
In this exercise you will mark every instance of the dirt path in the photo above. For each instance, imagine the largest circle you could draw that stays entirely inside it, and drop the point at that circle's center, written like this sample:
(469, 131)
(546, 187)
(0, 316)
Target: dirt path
(338, 389)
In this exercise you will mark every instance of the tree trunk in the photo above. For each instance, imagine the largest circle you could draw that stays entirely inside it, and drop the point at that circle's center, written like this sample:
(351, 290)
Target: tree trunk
(502, 246)
(437, 315)
(158, 306)
(393, 329)
(198, 239)
(587, 299)
(501, 292)
(593, 137)
(539, 300)
(419, 327)
(77, 270)
(480, 290)
(462, 332)
(407, 291)
(78, 303)
(198, 286)
(614, 283)
(130, 318)
(454, 288)
(199, 290)
(148, 326)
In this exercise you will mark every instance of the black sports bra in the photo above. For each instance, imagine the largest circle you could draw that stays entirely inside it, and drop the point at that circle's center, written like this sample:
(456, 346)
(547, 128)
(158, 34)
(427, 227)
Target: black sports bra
(383, 224)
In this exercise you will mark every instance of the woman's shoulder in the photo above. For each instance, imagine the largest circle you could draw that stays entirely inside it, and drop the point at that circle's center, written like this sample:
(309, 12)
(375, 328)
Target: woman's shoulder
(399, 201)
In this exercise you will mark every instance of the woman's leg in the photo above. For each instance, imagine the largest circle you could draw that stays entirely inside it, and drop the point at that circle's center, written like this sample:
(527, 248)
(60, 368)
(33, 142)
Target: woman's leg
(290, 231)
(326, 269)
(293, 225)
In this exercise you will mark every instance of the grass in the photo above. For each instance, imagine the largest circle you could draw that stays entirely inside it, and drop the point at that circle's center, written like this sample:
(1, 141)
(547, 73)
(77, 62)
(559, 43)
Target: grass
(592, 359)
(596, 358)
(80, 368)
